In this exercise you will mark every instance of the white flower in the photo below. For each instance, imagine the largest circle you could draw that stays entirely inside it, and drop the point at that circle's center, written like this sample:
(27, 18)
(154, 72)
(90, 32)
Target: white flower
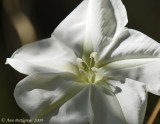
(92, 69)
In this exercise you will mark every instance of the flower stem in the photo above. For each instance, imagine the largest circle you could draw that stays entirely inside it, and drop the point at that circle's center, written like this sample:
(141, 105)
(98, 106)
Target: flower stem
(154, 113)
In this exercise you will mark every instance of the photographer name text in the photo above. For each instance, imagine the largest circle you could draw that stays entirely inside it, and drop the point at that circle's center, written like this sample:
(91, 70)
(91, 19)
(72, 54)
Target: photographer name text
(17, 120)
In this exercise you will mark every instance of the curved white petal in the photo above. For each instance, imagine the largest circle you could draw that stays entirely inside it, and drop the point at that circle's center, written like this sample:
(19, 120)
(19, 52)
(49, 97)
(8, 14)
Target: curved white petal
(105, 18)
(107, 48)
(132, 97)
(40, 94)
(91, 23)
(42, 56)
(71, 31)
(132, 44)
(147, 72)
(136, 57)
(77, 110)
(106, 109)
(28, 68)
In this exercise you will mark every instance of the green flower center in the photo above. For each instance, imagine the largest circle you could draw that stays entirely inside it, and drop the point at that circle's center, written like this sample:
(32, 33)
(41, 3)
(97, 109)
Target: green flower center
(88, 72)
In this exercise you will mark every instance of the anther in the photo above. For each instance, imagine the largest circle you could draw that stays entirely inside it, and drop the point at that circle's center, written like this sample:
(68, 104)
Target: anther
(94, 69)
(81, 66)
(94, 56)
(82, 71)
(80, 63)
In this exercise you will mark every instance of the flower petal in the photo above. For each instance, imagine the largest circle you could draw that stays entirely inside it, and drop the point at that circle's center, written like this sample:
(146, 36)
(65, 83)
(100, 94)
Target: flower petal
(40, 94)
(145, 72)
(132, 99)
(106, 109)
(71, 30)
(137, 45)
(91, 23)
(131, 44)
(77, 110)
(106, 49)
(105, 18)
(42, 56)
(136, 57)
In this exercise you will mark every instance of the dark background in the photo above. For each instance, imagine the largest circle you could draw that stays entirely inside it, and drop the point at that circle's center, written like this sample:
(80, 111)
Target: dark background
(24, 21)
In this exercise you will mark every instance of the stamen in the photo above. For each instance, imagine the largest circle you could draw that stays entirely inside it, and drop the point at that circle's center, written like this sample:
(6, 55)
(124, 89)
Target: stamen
(79, 60)
(94, 69)
(80, 63)
(88, 72)
(94, 56)
(82, 71)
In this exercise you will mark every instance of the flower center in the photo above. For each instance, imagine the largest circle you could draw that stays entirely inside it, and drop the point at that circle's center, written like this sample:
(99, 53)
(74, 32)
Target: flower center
(88, 71)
